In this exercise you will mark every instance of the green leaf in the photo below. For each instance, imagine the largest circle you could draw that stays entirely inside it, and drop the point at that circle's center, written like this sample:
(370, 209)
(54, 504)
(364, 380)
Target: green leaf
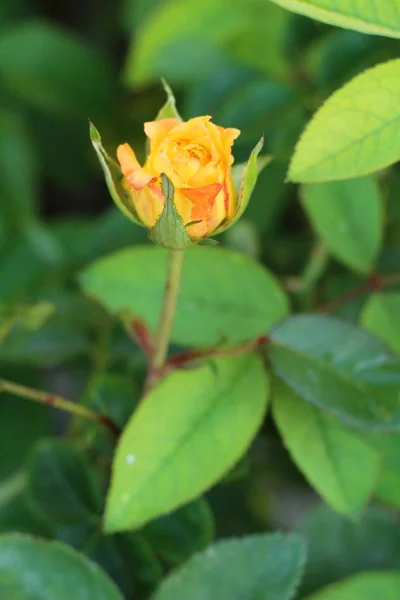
(244, 238)
(388, 483)
(339, 368)
(188, 43)
(364, 586)
(30, 317)
(31, 569)
(51, 70)
(266, 214)
(114, 178)
(169, 110)
(338, 547)
(35, 316)
(60, 483)
(334, 58)
(153, 470)
(225, 296)
(52, 345)
(352, 133)
(18, 186)
(380, 316)
(22, 423)
(260, 41)
(16, 512)
(348, 216)
(247, 174)
(99, 236)
(342, 467)
(129, 560)
(380, 17)
(135, 12)
(124, 393)
(37, 248)
(65, 335)
(175, 537)
(171, 42)
(265, 566)
(169, 230)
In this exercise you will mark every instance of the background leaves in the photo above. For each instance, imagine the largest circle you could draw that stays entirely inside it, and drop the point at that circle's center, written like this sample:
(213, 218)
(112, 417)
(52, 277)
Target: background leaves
(80, 82)
(339, 547)
(257, 66)
(31, 568)
(266, 566)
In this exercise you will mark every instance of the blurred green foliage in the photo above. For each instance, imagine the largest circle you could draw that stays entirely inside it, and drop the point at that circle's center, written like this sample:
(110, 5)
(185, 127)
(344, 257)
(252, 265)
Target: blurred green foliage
(251, 65)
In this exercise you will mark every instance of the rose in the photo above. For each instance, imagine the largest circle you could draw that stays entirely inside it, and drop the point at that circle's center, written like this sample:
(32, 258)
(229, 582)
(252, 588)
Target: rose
(196, 156)
(185, 191)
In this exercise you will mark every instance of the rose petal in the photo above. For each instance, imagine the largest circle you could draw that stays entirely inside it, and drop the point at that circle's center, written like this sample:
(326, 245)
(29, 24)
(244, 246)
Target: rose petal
(156, 131)
(130, 167)
(193, 130)
(229, 135)
(202, 199)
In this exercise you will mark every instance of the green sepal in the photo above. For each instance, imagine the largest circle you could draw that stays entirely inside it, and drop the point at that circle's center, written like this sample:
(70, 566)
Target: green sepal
(208, 242)
(169, 230)
(245, 178)
(114, 178)
(192, 223)
(169, 110)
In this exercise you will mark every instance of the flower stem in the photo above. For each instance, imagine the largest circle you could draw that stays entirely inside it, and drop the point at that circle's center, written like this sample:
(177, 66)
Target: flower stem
(172, 285)
(58, 402)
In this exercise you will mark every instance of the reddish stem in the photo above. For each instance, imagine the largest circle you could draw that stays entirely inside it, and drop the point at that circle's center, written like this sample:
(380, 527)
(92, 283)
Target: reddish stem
(112, 427)
(375, 283)
(59, 402)
(182, 359)
(143, 337)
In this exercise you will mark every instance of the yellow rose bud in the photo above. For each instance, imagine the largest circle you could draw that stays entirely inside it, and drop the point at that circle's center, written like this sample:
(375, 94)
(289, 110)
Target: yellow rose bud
(196, 156)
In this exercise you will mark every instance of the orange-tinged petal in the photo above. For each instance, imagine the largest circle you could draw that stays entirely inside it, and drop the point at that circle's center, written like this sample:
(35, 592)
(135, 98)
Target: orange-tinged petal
(208, 209)
(140, 179)
(127, 158)
(130, 167)
(202, 199)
